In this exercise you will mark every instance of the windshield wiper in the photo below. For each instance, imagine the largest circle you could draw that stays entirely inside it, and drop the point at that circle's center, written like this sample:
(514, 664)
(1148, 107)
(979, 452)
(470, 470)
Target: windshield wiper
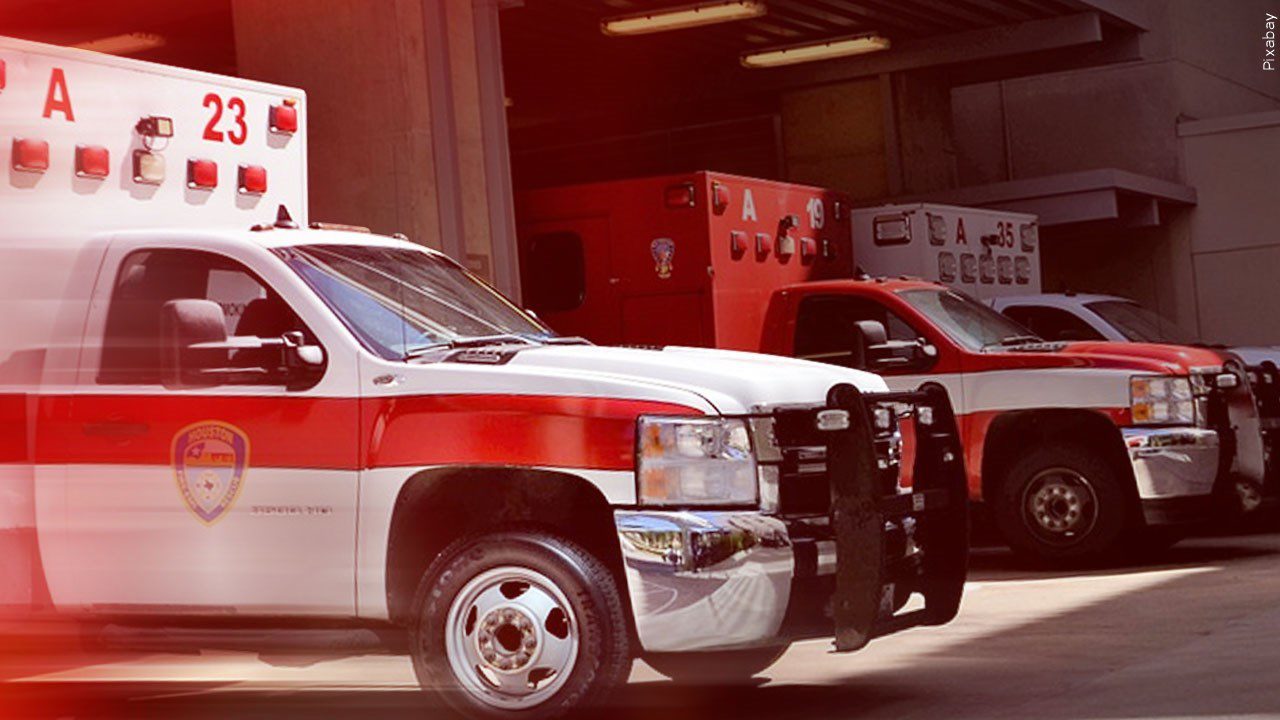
(1014, 340)
(469, 342)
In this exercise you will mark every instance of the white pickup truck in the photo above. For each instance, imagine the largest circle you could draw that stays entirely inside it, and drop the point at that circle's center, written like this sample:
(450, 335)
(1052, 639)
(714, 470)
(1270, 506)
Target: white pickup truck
(221, 430)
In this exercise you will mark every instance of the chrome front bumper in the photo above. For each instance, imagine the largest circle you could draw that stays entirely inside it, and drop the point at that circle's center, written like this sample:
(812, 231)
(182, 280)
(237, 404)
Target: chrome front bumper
(1172, 462)
(709, 580)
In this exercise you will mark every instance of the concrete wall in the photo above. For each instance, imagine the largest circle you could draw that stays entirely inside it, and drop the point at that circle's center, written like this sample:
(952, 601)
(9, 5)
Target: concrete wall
(403, 132)
(834, 136)
(1205, 267)
(1234, 164)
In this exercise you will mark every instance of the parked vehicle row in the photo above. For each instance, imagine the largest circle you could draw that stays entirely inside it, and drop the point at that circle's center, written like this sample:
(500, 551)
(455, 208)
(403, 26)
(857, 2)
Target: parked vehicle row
(1078, 450)
(215, 422)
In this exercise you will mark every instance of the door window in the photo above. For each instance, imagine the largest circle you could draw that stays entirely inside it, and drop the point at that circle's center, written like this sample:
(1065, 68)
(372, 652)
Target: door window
(825, 328)
(555, 278)
(1052, 323)
(131, 348)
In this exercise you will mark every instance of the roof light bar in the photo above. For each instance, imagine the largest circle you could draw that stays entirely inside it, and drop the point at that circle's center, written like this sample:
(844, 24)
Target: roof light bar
(825, 50)
(679, 18)
(124, 44)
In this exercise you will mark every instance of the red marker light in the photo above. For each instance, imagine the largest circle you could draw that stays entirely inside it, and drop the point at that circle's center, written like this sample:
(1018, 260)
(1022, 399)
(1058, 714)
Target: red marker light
(737, 243)
(30, 155)
(202, 174)
(252, 180)
(764, 244)
(1, 74)
(680, 196)
(719, 197)
(284, 119)
(92, 161)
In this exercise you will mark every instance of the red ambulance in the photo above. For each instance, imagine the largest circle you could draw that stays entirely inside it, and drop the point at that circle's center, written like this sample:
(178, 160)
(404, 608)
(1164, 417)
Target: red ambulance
(1078, 449)
(213, 421)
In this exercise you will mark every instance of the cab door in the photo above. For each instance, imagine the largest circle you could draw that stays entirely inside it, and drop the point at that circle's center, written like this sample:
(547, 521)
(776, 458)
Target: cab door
(825, 332)
(239, 496)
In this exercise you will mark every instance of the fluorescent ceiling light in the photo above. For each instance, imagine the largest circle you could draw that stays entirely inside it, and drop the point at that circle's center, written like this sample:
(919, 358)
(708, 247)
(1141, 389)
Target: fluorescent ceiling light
(841, 47)
(126, 44)
(682, 17)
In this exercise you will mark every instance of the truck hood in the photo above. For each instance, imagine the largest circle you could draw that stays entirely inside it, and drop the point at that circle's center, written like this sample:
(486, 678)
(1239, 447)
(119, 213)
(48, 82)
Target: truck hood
(1135, 357)
(733, 382)
(1149, 356)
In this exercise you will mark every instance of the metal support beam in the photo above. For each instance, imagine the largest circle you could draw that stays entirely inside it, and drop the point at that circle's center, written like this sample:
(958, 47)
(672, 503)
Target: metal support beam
(444, 130)
(497, 152)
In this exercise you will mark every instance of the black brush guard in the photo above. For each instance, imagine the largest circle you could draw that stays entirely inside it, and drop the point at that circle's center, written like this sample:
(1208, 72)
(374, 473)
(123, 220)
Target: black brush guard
(870, 578)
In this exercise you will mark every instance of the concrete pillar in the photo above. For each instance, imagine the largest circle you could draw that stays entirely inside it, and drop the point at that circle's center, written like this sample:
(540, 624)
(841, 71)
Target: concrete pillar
(407, 128)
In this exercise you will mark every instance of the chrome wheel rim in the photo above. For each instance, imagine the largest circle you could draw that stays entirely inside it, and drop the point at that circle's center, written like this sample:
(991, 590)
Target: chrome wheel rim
(511, 638)
(1060, 506)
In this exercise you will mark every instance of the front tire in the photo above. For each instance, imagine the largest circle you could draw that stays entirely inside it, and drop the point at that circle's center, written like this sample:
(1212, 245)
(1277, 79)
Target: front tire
(728, 667)
(519, 624)
(1063, 503)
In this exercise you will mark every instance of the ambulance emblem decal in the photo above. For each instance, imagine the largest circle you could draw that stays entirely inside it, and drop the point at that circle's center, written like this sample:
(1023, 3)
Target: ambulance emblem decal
(664, 252)
(210, 459)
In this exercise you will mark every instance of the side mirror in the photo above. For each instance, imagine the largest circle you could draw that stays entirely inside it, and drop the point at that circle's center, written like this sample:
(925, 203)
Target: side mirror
(299, 356)
(193, 337)
(196, 352)
(882, 355)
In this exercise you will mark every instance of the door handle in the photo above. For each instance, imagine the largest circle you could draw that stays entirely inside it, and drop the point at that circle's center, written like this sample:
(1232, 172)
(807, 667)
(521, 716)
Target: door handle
(116, 429)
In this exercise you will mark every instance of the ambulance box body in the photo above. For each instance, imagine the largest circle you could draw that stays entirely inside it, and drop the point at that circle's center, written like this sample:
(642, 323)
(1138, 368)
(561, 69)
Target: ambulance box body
(689, 259)
(92, 143)
(985, 253)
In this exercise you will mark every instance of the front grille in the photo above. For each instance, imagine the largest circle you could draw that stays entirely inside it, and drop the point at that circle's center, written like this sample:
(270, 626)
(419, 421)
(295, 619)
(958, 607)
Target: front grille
(1264, 381)
(804, 485)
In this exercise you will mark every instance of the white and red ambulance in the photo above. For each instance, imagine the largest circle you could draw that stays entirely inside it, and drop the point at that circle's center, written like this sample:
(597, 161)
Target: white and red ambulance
(983, 253)
(214, 421)
(1078, 449)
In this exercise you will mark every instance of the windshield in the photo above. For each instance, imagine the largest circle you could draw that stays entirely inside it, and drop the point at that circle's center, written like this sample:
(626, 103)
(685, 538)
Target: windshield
(400, 301)
(1139, 324)
(967, 321)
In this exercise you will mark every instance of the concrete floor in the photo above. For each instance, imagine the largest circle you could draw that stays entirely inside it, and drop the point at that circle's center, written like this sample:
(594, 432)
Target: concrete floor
(1196, 634)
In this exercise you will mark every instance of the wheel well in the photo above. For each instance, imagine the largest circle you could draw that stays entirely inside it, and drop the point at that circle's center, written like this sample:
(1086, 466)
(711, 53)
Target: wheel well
(437, 507)
(1012, 434)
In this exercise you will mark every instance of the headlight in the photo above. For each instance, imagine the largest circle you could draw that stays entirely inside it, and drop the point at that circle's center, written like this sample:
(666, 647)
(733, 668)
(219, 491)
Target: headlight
(1161, 401)
(695, 461)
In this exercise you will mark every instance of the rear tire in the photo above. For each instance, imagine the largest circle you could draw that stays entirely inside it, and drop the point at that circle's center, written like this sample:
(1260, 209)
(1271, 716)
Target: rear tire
(1063, 503)
(727, 667)
(519, 624)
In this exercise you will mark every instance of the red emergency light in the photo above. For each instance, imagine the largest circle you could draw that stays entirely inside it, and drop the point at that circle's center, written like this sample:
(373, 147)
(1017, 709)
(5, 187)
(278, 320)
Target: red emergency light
(719, 197)
(202, 174)
(680, 196)
(252, 180)
(92, 161)
(30, 155)
(284, 118)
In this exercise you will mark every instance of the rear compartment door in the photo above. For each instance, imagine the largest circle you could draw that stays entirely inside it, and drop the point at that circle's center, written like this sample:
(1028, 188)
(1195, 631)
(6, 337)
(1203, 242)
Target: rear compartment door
(566, 276)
